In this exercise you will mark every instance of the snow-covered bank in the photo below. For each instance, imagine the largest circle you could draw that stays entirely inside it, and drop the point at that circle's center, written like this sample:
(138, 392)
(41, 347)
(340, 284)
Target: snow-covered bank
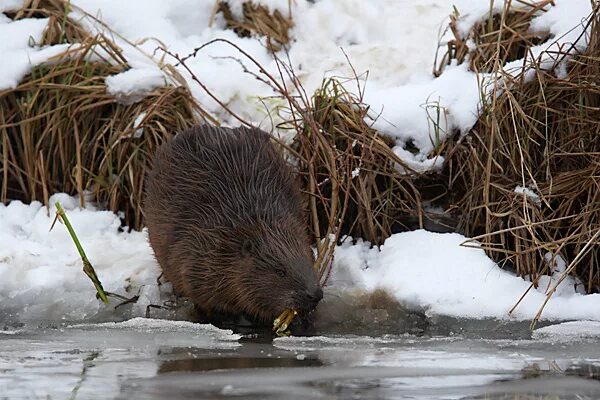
(436, 272)
(42, 277)
(394, 40)
(41, 271)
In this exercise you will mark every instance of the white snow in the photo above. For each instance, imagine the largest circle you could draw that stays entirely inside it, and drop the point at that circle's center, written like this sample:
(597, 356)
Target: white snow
(11, 5)
(134, 84)
(138, 129)
(18, 49)
(529, 193)
(437, 272)
(42, 277)
(426, 112)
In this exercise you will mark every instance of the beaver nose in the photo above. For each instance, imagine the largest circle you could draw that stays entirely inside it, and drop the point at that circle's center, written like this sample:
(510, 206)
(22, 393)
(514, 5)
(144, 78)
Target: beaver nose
(314, 296)
(317, 295)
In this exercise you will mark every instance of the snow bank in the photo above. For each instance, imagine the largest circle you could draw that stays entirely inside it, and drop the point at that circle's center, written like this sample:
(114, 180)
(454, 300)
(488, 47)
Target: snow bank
(394, 41)
(434, 271)
(42, 277)
(368, 33)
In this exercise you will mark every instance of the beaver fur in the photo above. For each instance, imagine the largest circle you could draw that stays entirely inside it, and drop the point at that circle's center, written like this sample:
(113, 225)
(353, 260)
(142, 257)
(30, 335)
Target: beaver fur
(225, 220)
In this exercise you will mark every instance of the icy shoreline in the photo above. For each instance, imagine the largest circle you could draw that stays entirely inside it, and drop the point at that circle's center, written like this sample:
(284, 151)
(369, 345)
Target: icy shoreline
(42, 277)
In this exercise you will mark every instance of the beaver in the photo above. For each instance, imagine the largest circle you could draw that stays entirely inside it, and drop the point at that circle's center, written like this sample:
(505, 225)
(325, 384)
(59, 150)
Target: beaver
(226, 223)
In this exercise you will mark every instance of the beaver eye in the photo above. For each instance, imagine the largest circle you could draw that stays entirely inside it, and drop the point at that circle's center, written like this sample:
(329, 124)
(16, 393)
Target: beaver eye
(280, 273)
(247, 248)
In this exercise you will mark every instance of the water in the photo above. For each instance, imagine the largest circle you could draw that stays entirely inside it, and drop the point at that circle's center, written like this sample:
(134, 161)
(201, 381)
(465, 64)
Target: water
(166, 360)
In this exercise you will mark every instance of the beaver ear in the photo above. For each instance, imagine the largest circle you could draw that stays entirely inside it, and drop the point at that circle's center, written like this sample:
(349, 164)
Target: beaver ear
(247, 248)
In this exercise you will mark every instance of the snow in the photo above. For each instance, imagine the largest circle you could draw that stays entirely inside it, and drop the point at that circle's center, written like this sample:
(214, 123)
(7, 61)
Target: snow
(138, 129)
(437, 272)
(42, 277)
(11, 5)
(134, 84)
(425, 113)
(529, 194)
(18, 51)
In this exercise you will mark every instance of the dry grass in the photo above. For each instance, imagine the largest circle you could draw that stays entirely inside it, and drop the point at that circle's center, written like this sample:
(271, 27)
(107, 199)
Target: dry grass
(60, 131)
(542, 134)
(258, 20)
(347, 165)
(498, 39)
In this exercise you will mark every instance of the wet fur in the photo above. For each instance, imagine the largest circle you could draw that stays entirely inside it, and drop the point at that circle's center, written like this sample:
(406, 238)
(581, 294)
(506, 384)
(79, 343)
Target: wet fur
(225, 221)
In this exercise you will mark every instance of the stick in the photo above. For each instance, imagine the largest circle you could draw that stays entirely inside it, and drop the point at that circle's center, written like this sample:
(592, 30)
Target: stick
(87, 266)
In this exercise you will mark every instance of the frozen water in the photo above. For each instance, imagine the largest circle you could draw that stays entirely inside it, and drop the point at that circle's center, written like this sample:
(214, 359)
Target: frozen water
(180, 361)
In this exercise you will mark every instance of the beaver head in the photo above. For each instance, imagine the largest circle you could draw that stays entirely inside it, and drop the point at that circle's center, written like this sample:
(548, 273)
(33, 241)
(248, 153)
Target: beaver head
(271, 270)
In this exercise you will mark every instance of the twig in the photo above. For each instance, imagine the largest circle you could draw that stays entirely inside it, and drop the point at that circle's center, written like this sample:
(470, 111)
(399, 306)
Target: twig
(87, 266)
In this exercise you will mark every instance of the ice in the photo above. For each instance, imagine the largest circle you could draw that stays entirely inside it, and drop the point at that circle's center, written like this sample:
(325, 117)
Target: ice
(149, 325)
(569, 331)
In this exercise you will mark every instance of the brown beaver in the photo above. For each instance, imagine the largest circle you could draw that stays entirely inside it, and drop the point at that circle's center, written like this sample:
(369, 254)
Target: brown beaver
(226, 223)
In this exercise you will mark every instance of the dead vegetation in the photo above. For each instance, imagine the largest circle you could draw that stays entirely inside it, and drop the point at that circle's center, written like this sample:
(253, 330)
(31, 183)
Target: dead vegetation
(60, 131)
(258, 20)
(526, 180)
(497, 39)
(347, 165)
